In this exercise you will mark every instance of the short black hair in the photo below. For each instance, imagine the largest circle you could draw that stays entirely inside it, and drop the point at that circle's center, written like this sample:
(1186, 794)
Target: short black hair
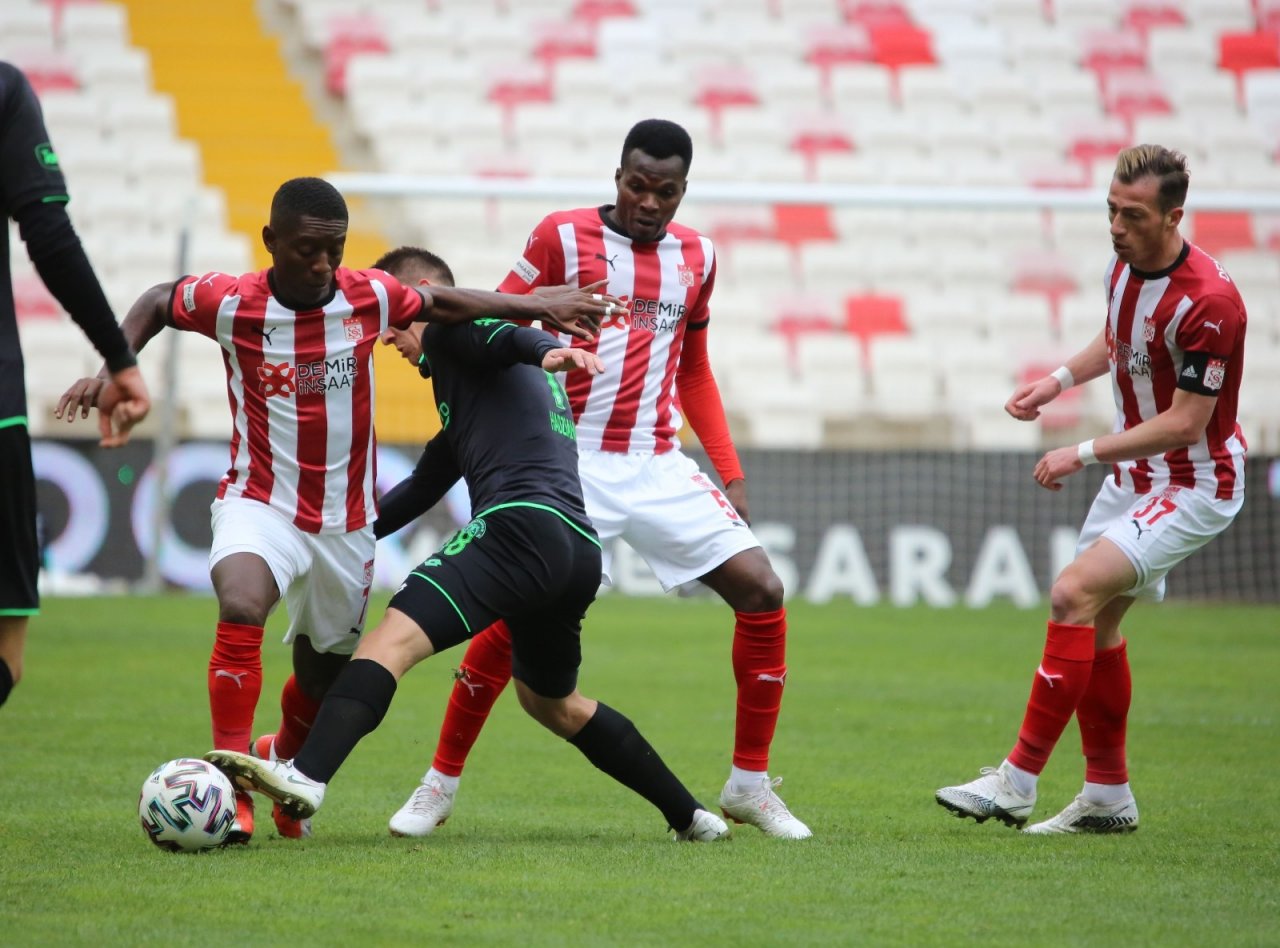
(659, 139)
(307, 197)
(408, 258)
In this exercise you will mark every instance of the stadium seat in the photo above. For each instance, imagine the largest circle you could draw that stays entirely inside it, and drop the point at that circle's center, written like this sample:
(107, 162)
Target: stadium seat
(1216, 232)
(348, 35)
(816, 135)
(1096, 139)
(91, 24)
(48, 70)
(1133, 94)
(1143, 16)
(720, 88)
(1107, 51)
(870, 315)
(554, 42)
(1182, 50)
(1241, 53)
(898, 45)
(830, 47)
(1044, 273)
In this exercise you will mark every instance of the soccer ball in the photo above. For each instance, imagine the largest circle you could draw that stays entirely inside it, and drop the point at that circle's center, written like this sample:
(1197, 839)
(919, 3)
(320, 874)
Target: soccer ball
(187, 805)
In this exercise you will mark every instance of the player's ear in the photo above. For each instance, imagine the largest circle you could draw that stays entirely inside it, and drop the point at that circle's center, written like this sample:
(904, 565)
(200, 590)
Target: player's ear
(268, 238)
(1175, 217)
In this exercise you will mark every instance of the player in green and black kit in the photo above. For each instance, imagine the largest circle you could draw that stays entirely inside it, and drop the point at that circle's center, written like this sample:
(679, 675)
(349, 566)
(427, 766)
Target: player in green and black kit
(529, 556)
(33, 193)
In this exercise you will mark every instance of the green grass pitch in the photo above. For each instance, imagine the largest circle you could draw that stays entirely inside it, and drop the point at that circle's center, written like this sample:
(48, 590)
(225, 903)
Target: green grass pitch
(882, 706)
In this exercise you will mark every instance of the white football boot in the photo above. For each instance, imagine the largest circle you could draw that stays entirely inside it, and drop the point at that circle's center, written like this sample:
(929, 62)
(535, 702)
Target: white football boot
(298, 795)
(991, 795)
(764, 809)
(705, 828)
(1084, 816)
(428, 807)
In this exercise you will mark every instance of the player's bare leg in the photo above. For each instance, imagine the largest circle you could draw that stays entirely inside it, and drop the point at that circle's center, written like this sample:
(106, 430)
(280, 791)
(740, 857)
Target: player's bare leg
(613, 745)
(13, 642)
(747, 582)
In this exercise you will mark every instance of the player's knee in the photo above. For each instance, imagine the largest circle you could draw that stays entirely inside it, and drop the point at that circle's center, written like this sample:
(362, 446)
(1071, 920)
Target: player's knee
(1069, 600)
(764, 593)
(240, 609)
(563, 717)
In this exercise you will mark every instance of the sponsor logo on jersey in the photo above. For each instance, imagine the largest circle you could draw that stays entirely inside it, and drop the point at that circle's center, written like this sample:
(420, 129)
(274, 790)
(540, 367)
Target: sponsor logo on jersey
(326, 375)
(352, 328)
(1215, 373)
(276, 379)
(687, 276)
(46, 157)
(1190, 372)
(1131, 361)
(189, 297)
(526, 271)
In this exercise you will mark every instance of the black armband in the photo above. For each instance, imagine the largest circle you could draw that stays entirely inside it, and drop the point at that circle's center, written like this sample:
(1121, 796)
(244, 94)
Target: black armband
(1202, 373)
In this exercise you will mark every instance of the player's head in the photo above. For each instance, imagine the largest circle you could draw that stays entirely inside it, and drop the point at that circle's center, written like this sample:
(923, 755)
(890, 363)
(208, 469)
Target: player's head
(306, 237)
(1145, 204)
(414, 266)
(652, 178)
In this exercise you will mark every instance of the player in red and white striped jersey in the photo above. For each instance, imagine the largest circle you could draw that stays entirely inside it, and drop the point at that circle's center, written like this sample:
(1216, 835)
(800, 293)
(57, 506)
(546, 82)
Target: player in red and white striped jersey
(1173, 345)
(293, 515)
(637, 484)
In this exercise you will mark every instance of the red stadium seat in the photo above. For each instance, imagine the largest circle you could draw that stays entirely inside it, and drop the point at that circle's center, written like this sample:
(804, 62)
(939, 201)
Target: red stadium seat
(1133, 94)
(803, 316)
(1089, 140)
(869, 315)
(796, 224)
(1241, 52)
(519, 84)
(1106, 51)
(816, 135)
(31, 300)
(897, 45)
(1143, 15)
(873, 13)
(1268, 15)
(718, 88)
(47, 70)
(1044, 273)
(349, 35)
(1217, 231)
(828, 47)
(593, 11)
(556, 41)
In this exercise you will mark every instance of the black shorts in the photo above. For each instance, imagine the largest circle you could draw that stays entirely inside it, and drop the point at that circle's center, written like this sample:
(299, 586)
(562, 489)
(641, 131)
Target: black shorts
(19, 547)
(528, 565)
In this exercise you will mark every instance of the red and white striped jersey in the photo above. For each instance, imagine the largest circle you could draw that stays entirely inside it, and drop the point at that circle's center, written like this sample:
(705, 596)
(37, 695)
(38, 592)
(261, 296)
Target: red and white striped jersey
(1154, 321)
(666, 284)
(300, 384)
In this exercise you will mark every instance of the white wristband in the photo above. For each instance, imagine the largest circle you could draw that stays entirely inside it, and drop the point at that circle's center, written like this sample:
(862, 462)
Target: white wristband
(1084, 450)
(1064, 377)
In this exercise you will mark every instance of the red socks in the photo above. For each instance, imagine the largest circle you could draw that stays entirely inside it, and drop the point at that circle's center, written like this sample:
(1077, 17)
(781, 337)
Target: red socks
(298, 713)
(484, 672)
(760, 669)
(1056, 690)
(1102, 716)
(235, 682)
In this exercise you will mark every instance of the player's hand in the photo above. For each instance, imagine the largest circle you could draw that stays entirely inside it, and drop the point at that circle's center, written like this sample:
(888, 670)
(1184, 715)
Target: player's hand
(579, 311)
(81, 396)
(566, 360)
(736, 493)
(1026, 401)
(1056, 465)
(408, 342)
(122, 403)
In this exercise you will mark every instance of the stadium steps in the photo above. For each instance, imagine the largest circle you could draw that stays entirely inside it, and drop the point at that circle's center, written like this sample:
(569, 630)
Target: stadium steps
(255, 128)
(237, 101)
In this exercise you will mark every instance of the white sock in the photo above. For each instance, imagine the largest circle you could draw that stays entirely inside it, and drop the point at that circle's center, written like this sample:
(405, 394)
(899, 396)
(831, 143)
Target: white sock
(744, 781)
(1106, 794)
(1024, 781)
(449, 784)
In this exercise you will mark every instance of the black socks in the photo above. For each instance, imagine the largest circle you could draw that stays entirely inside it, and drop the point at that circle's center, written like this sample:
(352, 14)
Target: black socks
(354, 705)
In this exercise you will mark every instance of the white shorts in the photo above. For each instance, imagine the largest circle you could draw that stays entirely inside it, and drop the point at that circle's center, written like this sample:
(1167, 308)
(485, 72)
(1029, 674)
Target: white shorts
(324, 578)
(1157, 530)
(666, 509)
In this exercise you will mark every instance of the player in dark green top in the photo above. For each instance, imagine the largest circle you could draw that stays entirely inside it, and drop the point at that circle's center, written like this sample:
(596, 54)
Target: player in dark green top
(34, 193)
(529, 556)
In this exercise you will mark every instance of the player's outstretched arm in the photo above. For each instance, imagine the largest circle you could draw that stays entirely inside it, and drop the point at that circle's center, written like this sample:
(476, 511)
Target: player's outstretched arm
(577, 311)
(122, 405)
(146, 317)
(1087, 364)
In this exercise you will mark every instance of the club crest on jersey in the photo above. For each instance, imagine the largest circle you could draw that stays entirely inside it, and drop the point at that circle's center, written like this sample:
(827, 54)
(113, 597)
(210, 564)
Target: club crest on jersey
(687, 276)
(352, 328)
(1215, 373)
(1148, 330)
(276, 379)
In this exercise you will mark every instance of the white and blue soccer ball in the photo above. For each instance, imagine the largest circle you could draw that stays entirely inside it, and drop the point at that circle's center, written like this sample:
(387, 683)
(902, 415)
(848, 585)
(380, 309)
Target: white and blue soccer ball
(187, 805)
